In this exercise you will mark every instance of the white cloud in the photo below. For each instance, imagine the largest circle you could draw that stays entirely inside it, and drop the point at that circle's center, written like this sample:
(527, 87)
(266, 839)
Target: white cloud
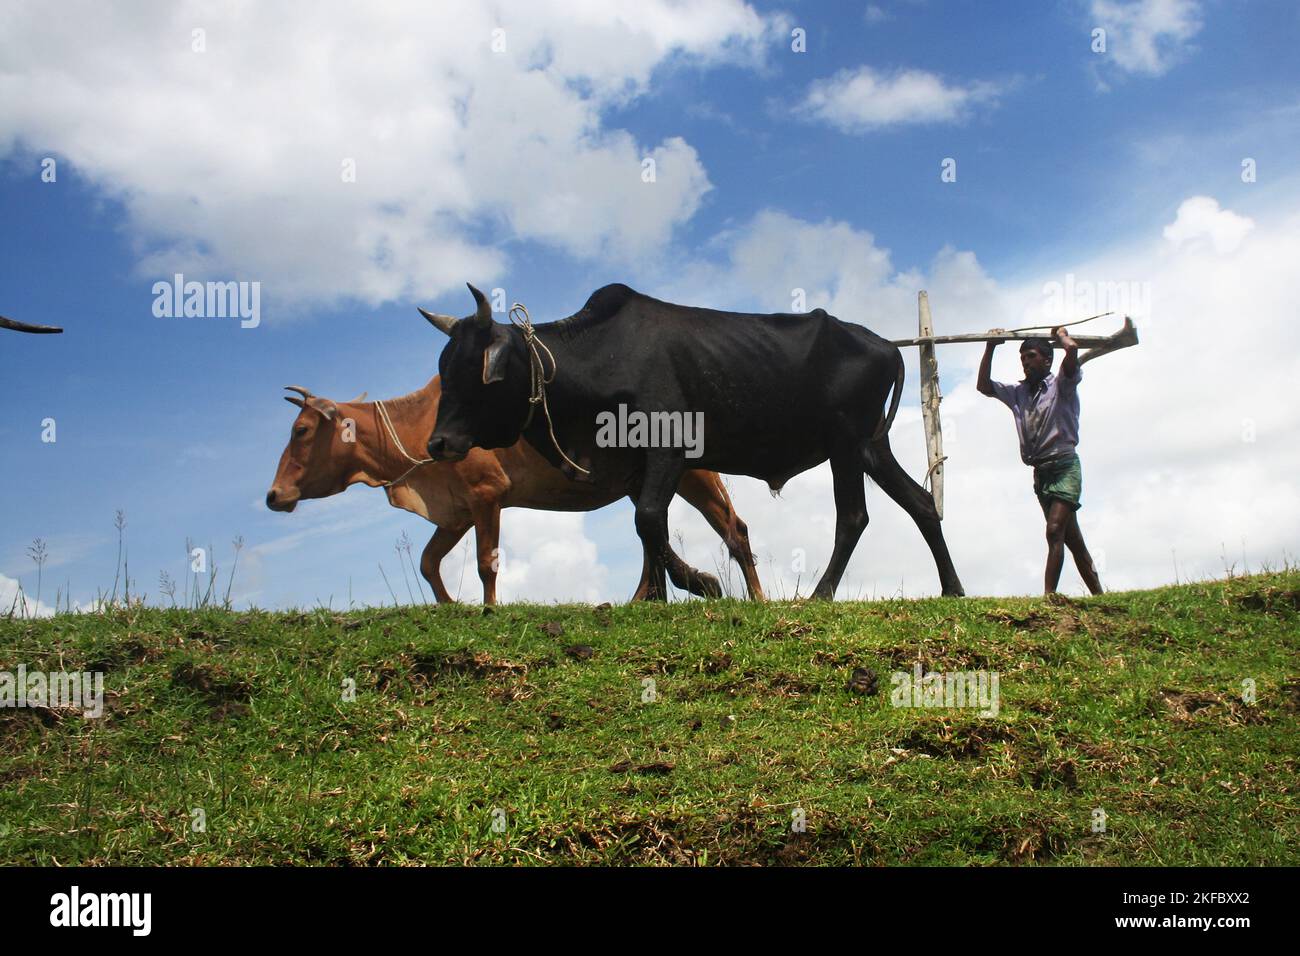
(13, 597)
(546, 556)
(838, 268)
(864, 99)
(1200, 218)
(229, 162)
(1147, 36)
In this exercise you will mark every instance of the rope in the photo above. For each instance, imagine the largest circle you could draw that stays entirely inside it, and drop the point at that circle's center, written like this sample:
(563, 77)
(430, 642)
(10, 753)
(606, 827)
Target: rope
(538, 379)
(392, 433)
(929, 474)
(1059, 325)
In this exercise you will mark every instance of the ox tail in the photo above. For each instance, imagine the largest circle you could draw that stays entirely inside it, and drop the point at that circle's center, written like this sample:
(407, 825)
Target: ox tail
(883, 428)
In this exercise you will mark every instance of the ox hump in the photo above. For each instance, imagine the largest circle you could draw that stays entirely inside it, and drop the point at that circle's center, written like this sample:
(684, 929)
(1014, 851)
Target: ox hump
(608, 300)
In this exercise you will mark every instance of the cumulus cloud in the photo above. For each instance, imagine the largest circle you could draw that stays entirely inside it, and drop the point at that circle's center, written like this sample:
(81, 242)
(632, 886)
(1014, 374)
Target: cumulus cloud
(1200, 219)
(13, 597)
(461, 125)
(857, 101)
(547, 556)
(1147, 37)
(776, 260)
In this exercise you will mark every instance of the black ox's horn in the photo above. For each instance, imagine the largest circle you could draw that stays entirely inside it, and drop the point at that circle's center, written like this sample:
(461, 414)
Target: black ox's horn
(25, 327)
(445, 323)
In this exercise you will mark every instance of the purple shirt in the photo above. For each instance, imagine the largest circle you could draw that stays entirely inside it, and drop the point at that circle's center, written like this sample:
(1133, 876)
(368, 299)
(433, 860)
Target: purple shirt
(1047, 417)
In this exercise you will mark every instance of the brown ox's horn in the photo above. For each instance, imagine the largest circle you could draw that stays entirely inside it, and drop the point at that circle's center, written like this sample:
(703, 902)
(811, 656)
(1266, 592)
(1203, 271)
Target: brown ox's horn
(443, 323)
(483, 314)
(308, 400)
(359, 399)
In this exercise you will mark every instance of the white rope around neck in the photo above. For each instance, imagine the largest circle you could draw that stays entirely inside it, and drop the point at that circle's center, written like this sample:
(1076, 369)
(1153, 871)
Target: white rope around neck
(392, 433)
(537, 379)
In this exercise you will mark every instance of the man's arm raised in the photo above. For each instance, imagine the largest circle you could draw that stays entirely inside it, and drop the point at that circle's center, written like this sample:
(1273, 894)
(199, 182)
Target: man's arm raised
(984, 382)
(1070, 365)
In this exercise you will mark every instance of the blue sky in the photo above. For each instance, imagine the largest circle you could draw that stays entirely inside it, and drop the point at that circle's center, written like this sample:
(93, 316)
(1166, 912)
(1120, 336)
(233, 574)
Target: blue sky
(521, 169)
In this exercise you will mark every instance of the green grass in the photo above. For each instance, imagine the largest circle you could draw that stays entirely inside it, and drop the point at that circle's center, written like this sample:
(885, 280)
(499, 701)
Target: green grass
(1129, 702)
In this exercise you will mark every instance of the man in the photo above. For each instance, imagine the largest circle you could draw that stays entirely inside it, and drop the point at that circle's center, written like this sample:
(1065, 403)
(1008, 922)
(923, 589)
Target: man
(1046, 410)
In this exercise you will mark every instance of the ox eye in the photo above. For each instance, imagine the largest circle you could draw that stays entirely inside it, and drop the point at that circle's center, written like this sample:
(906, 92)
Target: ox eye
(300, 431)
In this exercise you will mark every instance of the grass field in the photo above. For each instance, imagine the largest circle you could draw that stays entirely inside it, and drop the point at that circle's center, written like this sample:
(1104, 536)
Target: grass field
(538, 721)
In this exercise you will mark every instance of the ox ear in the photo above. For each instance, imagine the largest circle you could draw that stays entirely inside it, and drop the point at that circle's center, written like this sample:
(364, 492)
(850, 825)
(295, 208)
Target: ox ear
(495, 357)
(324, 406)
(483, 312)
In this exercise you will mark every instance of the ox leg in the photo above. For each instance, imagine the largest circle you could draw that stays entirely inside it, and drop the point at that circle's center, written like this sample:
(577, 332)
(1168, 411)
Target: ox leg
(658, 485)
(706, 493)
(916, 501)
(850, 521)
(443, 540)
(487, 531)
(699, 583)
(689, 579)
(644, 584)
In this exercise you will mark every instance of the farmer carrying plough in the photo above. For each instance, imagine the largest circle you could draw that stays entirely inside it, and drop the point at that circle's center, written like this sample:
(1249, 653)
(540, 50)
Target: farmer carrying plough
(1046, 410)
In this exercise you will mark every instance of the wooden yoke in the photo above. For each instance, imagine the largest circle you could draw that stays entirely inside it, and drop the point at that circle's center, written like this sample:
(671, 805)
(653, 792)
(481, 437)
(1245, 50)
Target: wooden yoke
(1097, 344)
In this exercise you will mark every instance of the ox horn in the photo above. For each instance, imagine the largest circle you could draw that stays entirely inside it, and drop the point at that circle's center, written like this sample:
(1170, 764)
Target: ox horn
(308, 400)
(27, 327)
(443, 323)
(483, 314)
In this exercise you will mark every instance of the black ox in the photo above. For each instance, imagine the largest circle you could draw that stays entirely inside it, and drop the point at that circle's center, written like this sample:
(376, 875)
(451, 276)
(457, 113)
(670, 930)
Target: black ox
(779, 394)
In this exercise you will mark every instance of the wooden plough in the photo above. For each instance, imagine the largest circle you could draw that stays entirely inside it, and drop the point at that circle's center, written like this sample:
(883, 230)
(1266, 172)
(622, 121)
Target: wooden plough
(931, 397)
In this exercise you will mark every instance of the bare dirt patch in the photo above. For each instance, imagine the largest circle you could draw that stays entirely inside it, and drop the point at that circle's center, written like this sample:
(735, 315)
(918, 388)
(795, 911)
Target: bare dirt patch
(1187, 707)
(960, 742)
(785, 628)
(225, 694)
(1271, 600)
(657, 768)
(478, 665)
(132, 650)
(780, 684)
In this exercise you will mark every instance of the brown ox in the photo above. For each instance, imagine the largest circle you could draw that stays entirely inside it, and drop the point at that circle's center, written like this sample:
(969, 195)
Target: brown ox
(319, 462)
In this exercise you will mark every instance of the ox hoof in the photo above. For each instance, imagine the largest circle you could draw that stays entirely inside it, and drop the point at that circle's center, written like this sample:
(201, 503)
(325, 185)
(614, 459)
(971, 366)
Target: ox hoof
(706, 585)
